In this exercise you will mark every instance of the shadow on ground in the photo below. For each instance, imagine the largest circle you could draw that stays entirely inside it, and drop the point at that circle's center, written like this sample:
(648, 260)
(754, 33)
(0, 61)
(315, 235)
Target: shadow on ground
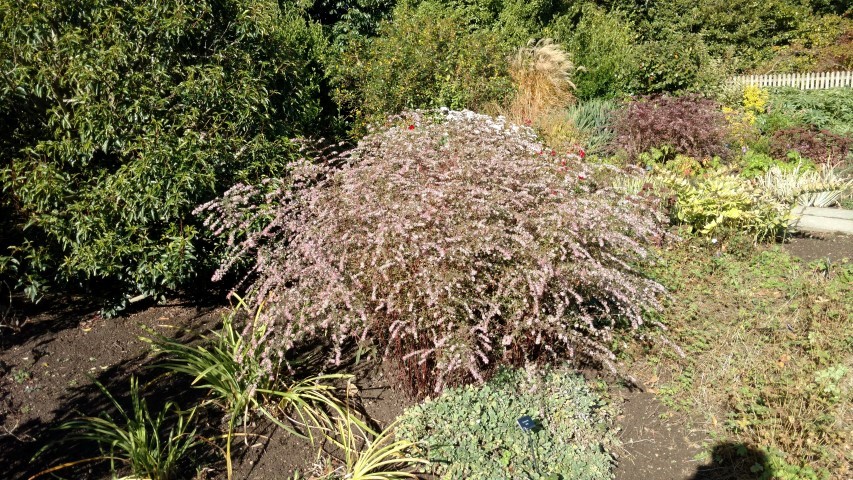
(734, 461)
(47, 378)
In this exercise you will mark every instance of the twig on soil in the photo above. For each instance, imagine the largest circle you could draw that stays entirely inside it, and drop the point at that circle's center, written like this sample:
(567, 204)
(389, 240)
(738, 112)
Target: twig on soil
(12, 434)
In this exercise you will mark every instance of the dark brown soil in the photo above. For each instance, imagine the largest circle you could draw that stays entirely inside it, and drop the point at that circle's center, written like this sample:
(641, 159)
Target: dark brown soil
(821, 246)
(658, 444)
(47, 364)
(48, 361)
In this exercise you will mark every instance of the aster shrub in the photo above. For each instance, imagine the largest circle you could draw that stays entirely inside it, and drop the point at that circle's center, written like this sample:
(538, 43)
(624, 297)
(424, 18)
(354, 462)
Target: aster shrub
(452, 240)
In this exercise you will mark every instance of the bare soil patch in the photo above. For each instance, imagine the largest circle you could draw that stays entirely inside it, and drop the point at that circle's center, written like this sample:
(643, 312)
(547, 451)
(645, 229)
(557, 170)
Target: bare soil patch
(810, 247)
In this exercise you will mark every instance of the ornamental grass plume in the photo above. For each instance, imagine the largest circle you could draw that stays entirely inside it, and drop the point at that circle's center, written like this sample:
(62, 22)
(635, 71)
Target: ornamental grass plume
(454, 241)
(541, 72)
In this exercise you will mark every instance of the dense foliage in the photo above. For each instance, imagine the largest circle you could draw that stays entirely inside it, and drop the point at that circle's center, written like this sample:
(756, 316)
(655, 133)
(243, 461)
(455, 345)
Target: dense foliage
(119, 117)
(453, 241)
(819, 146)
(604, 45)
(471, 432)
(721, 203)
(425, 56)
(825, 109)
(689, 124)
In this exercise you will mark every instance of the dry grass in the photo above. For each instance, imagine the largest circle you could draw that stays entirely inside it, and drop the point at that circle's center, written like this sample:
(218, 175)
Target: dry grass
(541, 72)
(769, 364)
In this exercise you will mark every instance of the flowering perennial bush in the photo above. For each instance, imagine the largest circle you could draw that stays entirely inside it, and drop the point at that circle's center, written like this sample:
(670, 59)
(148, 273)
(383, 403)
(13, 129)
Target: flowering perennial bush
(454, 241)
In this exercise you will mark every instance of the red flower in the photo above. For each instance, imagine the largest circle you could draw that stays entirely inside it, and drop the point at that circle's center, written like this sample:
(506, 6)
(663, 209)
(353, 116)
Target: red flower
(581, 153)
(581, 176)
(411, 127)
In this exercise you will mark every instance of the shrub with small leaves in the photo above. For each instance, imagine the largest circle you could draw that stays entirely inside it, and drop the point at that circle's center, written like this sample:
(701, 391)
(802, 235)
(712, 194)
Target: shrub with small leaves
(689, 124)
(454, 241)
(424, 56)
(830, 109)
(472, 432)
(819, 146)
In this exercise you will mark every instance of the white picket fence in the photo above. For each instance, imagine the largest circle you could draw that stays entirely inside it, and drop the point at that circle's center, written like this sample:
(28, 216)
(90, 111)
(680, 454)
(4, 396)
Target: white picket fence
(803, 81)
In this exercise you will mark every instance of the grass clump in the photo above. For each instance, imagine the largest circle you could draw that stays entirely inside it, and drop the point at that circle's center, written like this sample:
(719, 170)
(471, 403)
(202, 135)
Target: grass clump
(368, 456)
(471, 432)
(541, 72)
(245, 380)
(135, 437)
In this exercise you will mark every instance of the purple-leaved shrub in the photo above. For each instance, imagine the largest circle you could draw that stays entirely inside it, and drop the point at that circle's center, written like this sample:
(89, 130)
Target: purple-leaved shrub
(690, 125)
(454, 241)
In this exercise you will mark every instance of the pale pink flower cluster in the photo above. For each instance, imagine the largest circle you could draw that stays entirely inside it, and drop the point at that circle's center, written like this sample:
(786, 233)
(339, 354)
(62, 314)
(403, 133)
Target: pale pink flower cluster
(453, 240)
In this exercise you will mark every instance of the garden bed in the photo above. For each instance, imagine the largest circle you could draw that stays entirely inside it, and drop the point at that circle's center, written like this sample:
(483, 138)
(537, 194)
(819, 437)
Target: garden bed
(46, 363)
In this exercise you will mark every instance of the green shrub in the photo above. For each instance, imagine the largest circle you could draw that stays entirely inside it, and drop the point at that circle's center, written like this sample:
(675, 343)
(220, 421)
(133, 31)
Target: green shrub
(754, 164)
(347, 19)
(472, 432)
(676, 62)
(745, 30)
(118, 117)
(522, 20)
(424, 56)
(604, 45)
(821, 44)
(741, 32)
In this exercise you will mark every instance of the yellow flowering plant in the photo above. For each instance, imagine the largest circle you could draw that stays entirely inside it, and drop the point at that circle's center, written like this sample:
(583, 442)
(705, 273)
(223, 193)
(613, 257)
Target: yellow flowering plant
(742, 121)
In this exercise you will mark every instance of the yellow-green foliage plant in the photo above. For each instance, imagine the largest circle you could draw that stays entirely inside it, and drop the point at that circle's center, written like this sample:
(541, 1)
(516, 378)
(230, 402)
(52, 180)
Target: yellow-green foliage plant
(720, 200)
(244, 383)
(365, 455)
(743, 128)
(135, 437)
